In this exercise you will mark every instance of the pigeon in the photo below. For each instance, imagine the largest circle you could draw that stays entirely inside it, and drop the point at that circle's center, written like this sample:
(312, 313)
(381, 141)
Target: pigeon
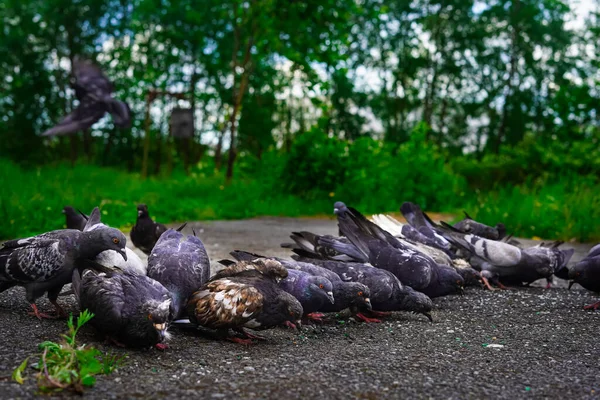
(130, 310)
(181, 264)
(469, 225)
(145, 232)
(352, 295)
(422, 223)
(311, 291)
(45, 263)
(386, 292)
(511, 264)
(75, 220)
(245, 296)
(94, 92)
(108, 258)
(324, 247)
(587, 273)
(384, 251)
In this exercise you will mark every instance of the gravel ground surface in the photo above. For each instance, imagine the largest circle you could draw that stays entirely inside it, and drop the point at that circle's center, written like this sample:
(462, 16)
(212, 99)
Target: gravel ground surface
(543, 344)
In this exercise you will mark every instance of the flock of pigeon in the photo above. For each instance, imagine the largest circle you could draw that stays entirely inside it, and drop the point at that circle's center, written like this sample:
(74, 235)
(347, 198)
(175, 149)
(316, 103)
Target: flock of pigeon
(375, 266)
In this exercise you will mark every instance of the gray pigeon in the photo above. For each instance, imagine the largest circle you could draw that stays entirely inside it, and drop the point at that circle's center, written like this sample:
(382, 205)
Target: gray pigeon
(130, 310)
(422, 223)
(145, 233)
(511, 264)
(313, 292)
(352, 295)
(181, 264)
(386, 292)
(587, 273)
(94, 92)
(108, 258)
(384, 251)
(469, 225)
(244, 295)
(45, 263)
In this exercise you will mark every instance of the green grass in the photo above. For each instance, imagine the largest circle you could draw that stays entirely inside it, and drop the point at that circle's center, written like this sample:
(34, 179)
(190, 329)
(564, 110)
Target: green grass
(67, 365)
(31, 200)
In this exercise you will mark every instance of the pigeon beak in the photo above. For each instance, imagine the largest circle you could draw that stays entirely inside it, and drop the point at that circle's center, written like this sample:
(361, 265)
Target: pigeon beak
(161, 329)
(123, 253)
(330, 297)
(428, 315)
(571, 283)
(298, 324)
(368, 303)
(461, 291)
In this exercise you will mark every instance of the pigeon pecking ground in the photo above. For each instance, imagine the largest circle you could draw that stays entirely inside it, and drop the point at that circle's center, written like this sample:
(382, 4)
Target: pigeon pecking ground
(503, 344)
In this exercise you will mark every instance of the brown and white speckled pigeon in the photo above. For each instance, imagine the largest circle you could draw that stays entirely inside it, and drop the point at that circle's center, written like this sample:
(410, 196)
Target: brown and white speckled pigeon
(244, 297)
(130, 310)
(45, 263)
(94, 92)
(181, 264)
(145, 233)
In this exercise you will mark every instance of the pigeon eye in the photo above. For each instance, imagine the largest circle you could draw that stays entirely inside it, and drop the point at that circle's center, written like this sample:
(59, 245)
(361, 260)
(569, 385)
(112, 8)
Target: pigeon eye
(150, 317)
(321, 286)
(292, 313)
(116, 240)
(458, 282)
(360, 293)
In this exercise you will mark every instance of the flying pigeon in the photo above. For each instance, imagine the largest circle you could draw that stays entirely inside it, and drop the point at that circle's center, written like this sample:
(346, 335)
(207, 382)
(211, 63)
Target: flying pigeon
(469, 225)
(352, 295)
(45, 263)
(386, 292)
(181, 264)
(587, 273)
(108, 258)
(75, 220)
(94, 92)
(510, 263)
(130, 310)
(241, 298)
(145, 232)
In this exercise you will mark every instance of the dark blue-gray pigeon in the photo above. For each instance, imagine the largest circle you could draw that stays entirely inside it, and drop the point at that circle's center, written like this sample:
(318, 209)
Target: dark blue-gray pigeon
(412, 267)
(94, 92)
(74, 219)
(45, 263)
(328, 247)
(181, 264)
(352, 295)
(587, 273)
(511, 264)
(313, 292)
(108, 258)
(244, 295)
(469, 225)
(422, 223)
(145, 233)
(387, 293)
(129, 309)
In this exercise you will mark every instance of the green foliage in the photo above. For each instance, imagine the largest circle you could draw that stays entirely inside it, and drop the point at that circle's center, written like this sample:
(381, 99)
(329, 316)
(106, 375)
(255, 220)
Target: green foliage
(66, 365)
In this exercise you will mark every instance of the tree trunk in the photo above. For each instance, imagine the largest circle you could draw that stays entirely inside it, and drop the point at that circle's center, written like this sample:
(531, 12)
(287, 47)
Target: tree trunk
(219, 149)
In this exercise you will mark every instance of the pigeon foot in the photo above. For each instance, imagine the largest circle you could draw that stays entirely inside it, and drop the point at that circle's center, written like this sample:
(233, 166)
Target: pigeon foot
(592, 306)
(486, 282)
(249, 335)
(316, 317)
(367, 319)
(245, 342)
(41, 315)
(161, 346)
(60, 312)
(380, 314)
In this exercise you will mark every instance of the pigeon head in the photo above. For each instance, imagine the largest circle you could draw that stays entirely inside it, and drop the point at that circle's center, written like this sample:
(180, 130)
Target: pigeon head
(68, 210)
(321, 287)
(158, 314)
(359, 295)
(417, 302)
(501, 230)
(142, 210)
(338, 207)
(291, 309)
(452, 279)
(97, 240)
(470, 276)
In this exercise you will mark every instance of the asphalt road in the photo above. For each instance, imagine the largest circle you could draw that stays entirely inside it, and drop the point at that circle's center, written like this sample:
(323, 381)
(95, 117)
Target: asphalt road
(543, 344)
